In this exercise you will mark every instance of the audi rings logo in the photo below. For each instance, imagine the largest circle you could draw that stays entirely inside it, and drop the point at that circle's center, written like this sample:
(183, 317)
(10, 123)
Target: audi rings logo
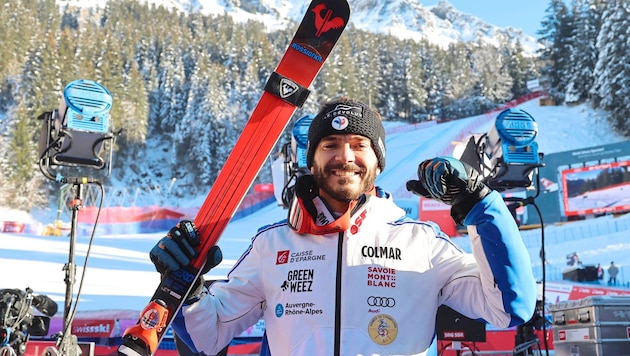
(386, 302)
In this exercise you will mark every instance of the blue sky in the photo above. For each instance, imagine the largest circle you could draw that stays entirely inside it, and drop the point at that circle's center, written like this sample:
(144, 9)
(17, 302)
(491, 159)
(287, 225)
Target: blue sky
(525, 15)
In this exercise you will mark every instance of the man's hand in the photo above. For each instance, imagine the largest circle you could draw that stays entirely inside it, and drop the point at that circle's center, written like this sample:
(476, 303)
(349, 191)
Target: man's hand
(178, 248)
(450, 181)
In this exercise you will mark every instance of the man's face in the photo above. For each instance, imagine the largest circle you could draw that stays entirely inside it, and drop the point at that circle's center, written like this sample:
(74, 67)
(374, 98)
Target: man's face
(344, 167)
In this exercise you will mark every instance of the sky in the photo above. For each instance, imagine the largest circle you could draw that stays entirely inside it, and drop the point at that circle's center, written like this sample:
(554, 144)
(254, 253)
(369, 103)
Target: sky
(120, 277)
(525, 15)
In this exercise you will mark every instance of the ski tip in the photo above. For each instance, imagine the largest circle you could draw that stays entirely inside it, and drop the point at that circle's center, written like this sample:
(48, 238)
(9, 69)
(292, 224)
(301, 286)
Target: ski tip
(132, 349)
(321, 27)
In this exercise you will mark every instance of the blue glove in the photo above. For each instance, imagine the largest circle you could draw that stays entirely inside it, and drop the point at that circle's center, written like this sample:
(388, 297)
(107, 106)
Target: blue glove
(451, 182)
(178, 248)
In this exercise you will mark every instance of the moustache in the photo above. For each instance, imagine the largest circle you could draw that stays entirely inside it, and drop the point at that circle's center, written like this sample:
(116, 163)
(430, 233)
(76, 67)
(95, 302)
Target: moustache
(349, 167)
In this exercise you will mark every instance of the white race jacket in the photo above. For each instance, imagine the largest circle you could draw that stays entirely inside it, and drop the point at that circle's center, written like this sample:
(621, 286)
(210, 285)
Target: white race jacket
(372, 290)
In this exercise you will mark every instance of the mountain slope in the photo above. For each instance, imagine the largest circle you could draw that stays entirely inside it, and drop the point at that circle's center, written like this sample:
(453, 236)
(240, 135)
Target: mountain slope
(441, 24)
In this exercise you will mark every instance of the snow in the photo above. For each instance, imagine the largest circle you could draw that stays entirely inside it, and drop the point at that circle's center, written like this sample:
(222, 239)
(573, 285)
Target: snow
(119, 275)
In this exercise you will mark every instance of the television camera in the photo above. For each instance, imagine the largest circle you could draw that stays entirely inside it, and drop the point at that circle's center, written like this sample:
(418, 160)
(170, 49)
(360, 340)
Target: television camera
(77, 133)
(507, 155)
(292, 163)
(19, 319)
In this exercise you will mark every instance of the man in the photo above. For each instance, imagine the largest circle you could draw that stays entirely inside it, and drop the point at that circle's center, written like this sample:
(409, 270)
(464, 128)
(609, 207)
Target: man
(612, 274)
(347, 273)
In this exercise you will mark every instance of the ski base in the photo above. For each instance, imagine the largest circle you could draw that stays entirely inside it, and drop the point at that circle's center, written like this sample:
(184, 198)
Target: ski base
(133, 348)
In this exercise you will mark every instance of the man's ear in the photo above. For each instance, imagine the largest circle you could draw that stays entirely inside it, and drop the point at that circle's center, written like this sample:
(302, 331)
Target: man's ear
(378, 171)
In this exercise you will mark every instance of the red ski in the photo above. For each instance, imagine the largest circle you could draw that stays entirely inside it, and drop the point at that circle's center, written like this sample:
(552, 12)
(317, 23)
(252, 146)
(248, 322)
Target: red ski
(286, 89)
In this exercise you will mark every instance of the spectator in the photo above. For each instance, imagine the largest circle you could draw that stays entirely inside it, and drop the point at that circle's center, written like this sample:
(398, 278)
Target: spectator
(600, 272)
(612, 274)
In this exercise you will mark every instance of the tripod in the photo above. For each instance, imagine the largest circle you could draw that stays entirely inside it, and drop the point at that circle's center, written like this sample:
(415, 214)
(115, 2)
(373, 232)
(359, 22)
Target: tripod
(67, 344)
(7, 351)
(76, 135)
(526, 341)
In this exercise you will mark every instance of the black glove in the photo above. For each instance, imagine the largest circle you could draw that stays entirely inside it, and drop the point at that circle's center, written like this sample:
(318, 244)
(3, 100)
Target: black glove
(450, 181)
(178, 248)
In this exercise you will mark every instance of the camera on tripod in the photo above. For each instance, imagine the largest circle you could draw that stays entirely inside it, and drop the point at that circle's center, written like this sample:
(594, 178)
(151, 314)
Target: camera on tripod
(18, 319)
(292, 163)
(73, 138)
(507, 155)
(77, 133)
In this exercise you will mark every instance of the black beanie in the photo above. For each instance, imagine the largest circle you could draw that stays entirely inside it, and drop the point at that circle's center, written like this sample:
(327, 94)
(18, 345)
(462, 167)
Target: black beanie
(347, 116)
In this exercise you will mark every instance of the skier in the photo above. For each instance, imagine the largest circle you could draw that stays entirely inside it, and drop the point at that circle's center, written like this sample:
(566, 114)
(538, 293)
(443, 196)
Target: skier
(347, 273)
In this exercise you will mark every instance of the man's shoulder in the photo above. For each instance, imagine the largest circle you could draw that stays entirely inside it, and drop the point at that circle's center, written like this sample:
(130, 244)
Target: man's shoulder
(273, 226)
(386, 204)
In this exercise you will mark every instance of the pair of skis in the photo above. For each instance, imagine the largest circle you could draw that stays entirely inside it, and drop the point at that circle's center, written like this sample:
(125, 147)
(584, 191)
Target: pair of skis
(286, 89)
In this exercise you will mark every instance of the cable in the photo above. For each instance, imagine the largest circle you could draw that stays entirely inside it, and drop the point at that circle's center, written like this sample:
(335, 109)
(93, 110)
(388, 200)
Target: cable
(543, 257)
(544, 275)
(531, 201)
(474, 349)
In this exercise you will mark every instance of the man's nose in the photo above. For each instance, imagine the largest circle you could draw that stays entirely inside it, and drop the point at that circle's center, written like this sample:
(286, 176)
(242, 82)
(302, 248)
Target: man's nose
(345, 154)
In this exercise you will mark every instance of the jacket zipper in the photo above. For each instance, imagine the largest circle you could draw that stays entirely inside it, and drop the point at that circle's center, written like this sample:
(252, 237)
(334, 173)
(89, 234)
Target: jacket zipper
(337, 346)
(340, 263)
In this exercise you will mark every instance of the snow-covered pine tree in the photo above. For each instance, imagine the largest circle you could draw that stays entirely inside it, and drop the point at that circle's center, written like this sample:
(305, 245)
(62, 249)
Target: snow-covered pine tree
(611, 89)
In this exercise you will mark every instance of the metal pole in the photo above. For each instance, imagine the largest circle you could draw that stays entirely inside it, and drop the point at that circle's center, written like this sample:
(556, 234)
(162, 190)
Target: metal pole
(68, 345)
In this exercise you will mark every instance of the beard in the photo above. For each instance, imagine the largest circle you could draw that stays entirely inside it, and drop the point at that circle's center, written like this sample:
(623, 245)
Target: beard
(344, 188)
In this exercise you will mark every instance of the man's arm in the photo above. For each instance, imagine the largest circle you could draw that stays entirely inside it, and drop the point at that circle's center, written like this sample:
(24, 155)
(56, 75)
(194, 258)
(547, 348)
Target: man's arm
(208, 320)
(502, 257)
(506, 295)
